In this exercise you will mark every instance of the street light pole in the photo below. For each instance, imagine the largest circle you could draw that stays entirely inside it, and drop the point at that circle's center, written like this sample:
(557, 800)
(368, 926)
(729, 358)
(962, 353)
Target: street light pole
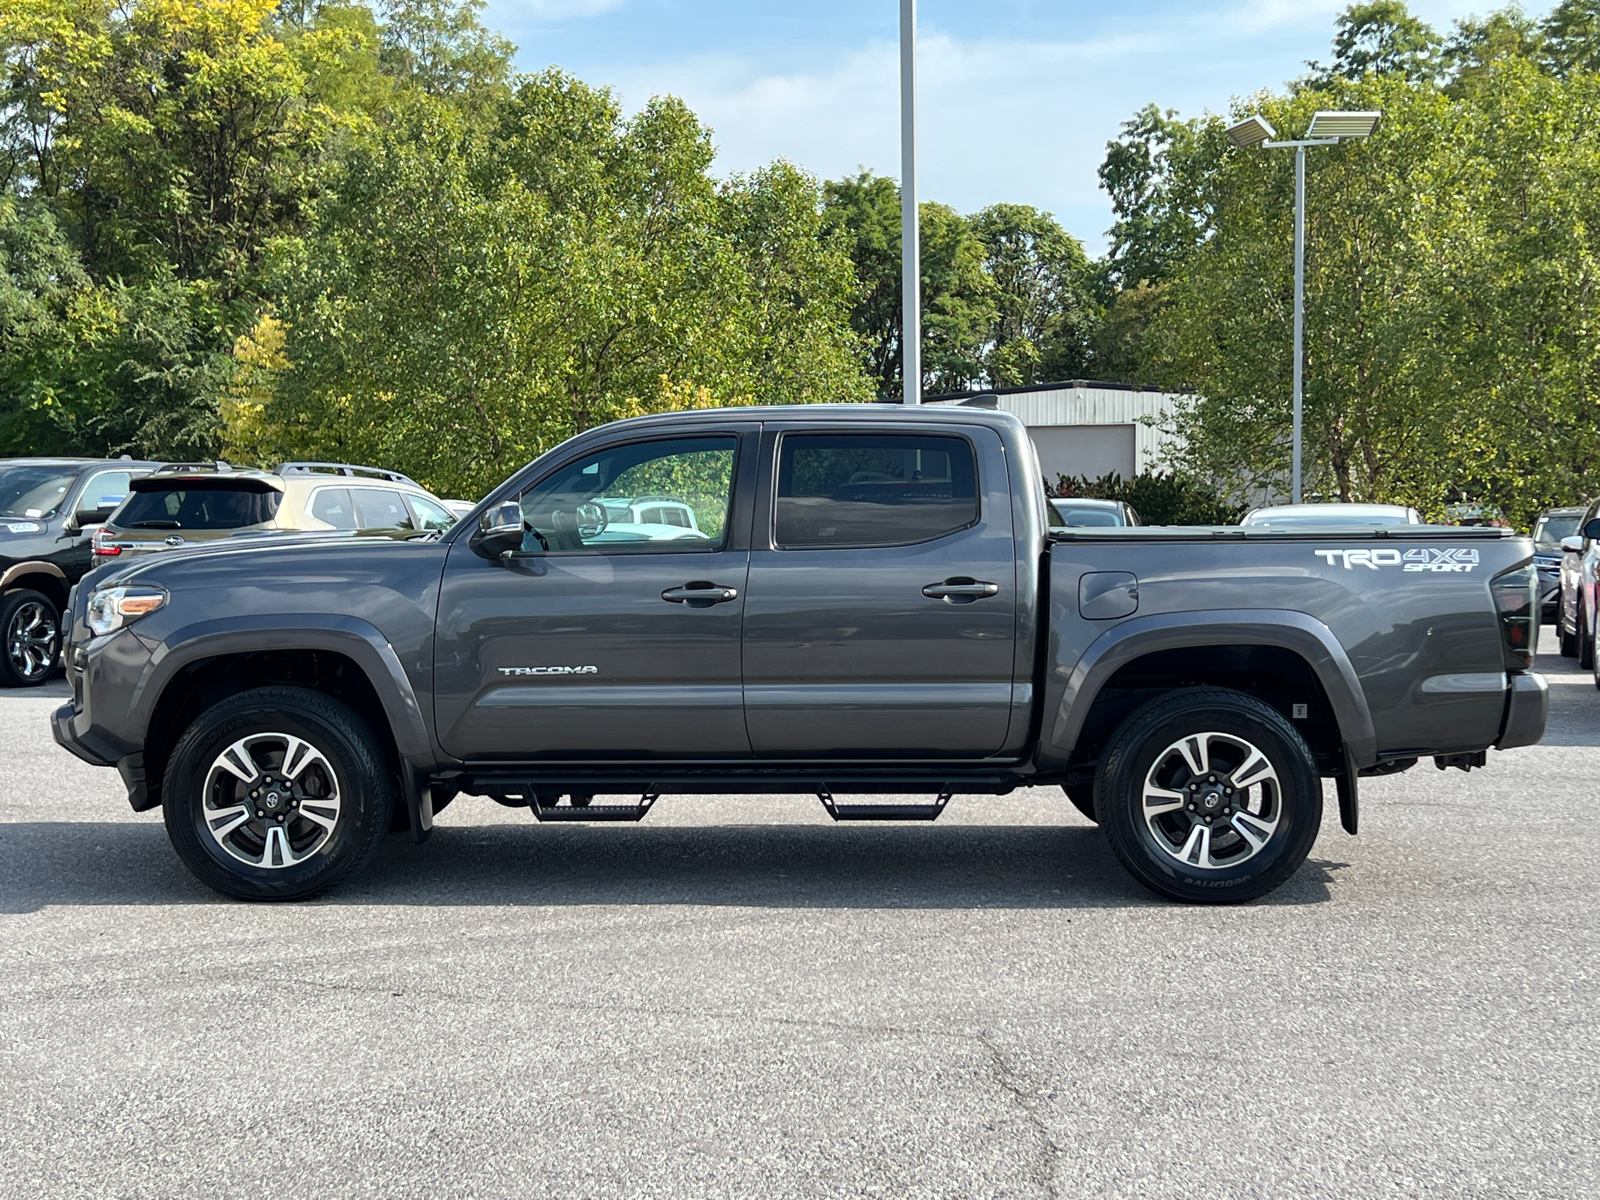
(1327, 129)
(1299, 308)
(910, 239)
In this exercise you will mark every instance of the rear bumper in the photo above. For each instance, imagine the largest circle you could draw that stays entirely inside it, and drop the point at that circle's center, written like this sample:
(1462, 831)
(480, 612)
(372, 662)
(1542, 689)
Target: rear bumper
(1527, 709)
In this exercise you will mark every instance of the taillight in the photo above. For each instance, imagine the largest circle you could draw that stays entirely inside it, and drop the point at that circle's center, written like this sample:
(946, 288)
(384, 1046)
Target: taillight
(1516, 598)
(101, 546)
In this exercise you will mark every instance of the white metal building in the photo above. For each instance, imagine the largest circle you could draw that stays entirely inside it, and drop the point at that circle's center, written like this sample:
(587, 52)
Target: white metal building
(1086, 428)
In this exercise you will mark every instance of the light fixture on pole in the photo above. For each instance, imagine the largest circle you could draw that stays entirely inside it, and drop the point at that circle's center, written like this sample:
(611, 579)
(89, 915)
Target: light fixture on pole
(910, 233)
(1326, 129)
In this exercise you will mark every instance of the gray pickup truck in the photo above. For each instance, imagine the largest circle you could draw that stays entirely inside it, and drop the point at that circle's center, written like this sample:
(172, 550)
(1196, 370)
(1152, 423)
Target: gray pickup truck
(868, 601)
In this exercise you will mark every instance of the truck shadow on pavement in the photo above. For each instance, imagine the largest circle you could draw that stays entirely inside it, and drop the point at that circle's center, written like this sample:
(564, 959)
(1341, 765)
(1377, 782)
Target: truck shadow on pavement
(766, 866)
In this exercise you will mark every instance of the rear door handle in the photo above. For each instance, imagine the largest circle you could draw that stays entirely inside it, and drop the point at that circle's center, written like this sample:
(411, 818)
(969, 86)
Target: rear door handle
(700, 593)
(961, 590)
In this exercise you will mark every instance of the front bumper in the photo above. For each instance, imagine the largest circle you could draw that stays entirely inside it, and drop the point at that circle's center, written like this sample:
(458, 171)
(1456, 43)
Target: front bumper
(1527, 709)
(63, 723)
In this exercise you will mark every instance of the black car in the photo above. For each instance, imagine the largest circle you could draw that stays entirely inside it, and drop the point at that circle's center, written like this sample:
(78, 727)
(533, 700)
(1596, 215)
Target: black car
(48, 507)
(1553, 525)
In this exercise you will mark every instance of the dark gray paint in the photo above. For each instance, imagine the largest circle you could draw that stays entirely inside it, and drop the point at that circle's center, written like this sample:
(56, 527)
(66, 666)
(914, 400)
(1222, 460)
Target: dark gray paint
(833, 642)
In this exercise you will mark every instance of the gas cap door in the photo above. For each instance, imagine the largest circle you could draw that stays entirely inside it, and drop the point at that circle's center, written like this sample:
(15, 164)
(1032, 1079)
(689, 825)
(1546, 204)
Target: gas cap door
(1106, 595)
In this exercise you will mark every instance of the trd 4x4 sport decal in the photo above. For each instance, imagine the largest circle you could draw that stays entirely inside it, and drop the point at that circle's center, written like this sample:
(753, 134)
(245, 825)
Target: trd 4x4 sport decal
(1448, 558)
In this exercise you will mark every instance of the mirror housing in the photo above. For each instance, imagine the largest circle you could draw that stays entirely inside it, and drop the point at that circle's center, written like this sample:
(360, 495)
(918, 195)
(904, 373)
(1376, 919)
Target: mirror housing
(1572, 545)
(499, 532)
(83, 518)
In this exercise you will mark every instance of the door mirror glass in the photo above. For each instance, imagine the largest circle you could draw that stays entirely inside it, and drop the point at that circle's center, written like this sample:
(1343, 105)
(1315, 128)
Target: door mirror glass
(1572, 545)
(1591, 529)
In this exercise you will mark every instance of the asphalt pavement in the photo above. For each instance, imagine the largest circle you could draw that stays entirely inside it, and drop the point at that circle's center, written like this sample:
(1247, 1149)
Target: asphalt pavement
(738, 998)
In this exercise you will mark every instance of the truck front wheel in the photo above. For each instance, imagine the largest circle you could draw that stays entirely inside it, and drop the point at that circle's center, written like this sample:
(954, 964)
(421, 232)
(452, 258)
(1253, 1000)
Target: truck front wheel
(277, 794)
(1209, 796)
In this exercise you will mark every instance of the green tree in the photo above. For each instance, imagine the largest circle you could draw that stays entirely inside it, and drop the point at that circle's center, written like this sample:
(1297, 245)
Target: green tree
(1382, 37)
(1572, 36)
(469, 300)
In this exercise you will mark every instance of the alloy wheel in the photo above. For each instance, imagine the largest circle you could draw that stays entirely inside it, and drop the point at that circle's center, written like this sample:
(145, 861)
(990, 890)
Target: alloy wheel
(31, 640)
(271, 800)
(1212, 801)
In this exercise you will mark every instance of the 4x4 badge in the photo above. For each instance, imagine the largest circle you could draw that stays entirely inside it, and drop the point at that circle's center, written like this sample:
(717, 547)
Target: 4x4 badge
(1438, 559)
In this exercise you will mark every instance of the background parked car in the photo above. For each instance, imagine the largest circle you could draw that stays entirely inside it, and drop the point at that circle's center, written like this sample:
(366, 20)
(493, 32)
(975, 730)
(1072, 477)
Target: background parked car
(1322, 516)
(1575, 615)
(184, 503)
(1076, 513)
(459, 508)
(1553, 525)
(48, 508)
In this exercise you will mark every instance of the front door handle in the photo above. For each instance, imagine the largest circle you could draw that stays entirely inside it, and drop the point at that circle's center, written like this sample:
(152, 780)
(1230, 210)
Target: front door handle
(961, 589)
(700, 593)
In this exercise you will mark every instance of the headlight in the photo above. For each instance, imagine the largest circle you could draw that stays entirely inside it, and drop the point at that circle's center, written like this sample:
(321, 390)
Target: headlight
(113, 607)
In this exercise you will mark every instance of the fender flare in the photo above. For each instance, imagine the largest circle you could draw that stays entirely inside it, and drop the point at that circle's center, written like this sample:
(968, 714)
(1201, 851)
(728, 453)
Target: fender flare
(1295, 631)
(31, 567)
(357, 640)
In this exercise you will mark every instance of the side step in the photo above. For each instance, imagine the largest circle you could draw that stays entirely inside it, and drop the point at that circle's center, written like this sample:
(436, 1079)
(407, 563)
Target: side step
(884, 812)
(591, 812)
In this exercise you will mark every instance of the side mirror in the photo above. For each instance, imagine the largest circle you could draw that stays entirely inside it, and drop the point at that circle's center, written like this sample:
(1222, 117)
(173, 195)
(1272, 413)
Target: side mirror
(92, 516)
(499, 532)
(1591, 529)
(1572, 545)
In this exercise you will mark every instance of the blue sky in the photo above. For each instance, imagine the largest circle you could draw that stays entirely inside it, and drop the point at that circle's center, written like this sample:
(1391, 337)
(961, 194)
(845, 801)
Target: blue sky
(1017, 97)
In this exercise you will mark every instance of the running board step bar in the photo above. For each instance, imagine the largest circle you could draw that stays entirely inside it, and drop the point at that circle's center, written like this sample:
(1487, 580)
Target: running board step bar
(884, 812)
(592, 812)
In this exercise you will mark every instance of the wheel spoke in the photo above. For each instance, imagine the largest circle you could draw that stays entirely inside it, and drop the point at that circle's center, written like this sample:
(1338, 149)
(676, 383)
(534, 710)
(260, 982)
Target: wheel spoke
(276, 852)
(1255, 766)
(1197, 850)
(297, 756)
(1160, 800)
(236, 760)
(224, 821)
(320, 812)
(1196, 753)
(1252, 829)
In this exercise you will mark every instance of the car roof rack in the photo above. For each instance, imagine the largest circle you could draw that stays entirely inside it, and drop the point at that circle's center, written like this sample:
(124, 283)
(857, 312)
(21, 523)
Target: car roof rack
(192, 468)
(347, 469)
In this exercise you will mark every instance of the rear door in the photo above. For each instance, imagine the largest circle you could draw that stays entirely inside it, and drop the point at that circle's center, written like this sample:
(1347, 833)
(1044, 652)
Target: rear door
(606, 640)
(881, 619)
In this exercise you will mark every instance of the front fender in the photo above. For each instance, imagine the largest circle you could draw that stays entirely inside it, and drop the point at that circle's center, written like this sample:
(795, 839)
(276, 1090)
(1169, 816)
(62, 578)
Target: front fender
(1137, 636)
(358, 640)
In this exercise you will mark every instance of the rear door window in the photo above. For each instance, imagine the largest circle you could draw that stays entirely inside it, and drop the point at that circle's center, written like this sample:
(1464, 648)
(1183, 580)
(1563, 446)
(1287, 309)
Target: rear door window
(198, 508)
(855, 490)
(333, 506)
(380, 508)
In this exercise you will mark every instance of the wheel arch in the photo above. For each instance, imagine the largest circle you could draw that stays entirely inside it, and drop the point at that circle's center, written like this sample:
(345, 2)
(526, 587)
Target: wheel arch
(1194, 649)
(45, 578)
(344, 657)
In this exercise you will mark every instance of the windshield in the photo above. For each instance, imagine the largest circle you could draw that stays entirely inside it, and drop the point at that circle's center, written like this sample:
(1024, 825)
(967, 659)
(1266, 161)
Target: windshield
(201, 508)
(33, 491)
(1551, 529)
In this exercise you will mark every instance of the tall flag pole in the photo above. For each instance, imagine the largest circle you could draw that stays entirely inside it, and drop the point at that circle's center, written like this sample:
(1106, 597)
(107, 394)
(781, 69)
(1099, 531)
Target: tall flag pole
(910, 233)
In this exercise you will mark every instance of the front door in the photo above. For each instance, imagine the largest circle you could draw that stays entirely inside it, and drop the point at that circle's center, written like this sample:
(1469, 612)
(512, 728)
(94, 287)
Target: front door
(881, 621)
(614, 634)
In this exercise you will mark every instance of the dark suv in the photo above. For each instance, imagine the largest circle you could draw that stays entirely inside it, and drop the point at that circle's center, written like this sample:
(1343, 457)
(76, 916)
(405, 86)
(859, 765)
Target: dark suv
(48, 508)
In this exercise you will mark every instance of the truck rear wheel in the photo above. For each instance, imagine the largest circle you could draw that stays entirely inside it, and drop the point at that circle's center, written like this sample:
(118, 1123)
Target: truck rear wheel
(277, 794)
(31, 629)
(1209, 796)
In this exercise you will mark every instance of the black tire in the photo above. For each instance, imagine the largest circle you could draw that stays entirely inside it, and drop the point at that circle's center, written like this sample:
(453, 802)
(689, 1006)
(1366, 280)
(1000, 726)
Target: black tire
(1585, 642)
(1145, 744)
(1082, 797)
(350, 759)
(1569, 641)
(30, 638)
